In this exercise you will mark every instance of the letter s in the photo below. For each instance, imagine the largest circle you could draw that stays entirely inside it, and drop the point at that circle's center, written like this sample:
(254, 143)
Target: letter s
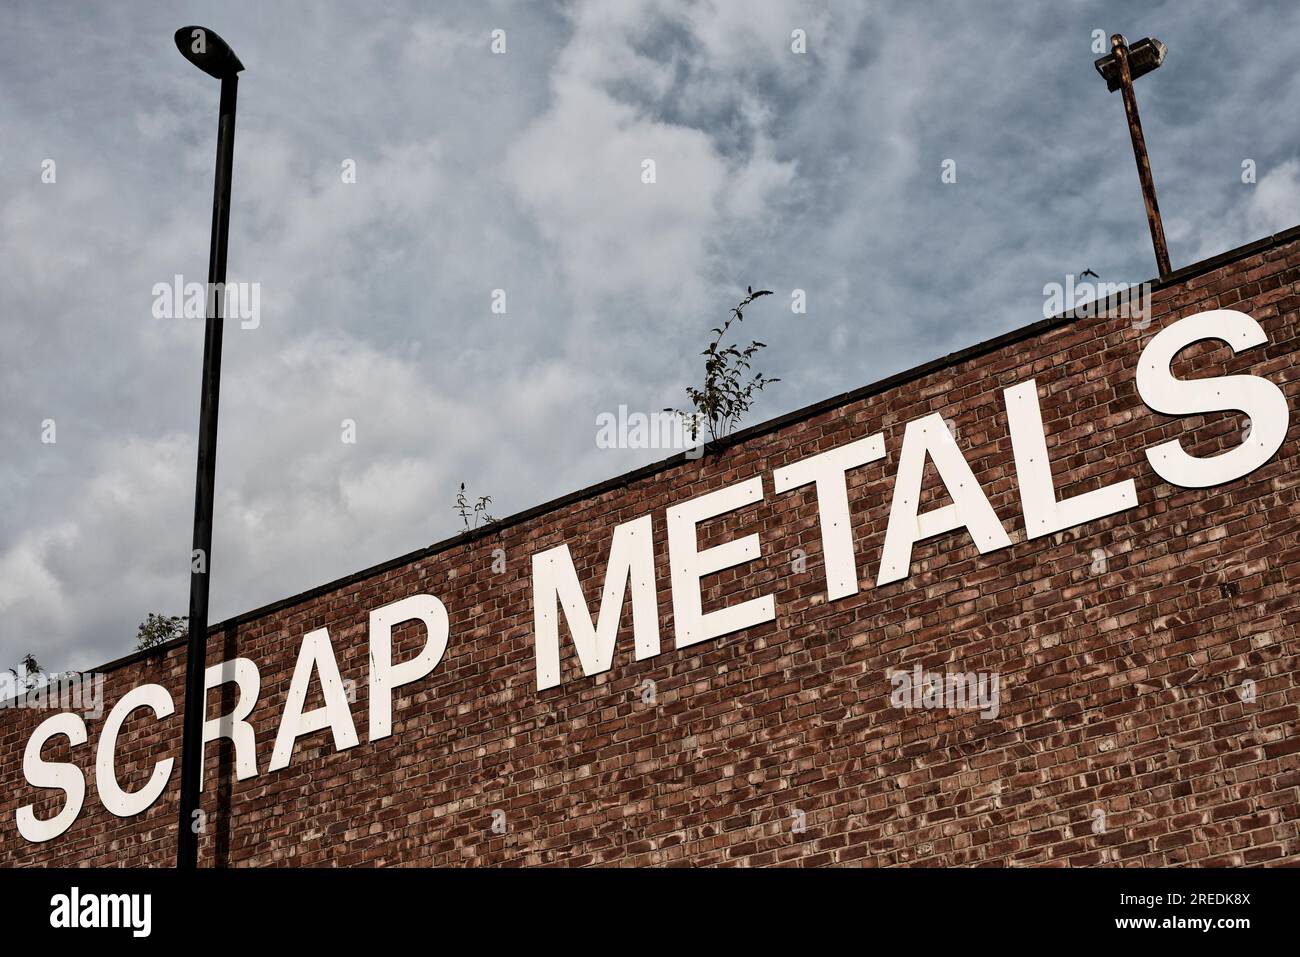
(1258, 398)
(49, 774)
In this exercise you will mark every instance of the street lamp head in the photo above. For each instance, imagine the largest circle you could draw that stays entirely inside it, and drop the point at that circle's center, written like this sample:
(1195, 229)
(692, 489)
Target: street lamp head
(207, 51)
(1143, 57)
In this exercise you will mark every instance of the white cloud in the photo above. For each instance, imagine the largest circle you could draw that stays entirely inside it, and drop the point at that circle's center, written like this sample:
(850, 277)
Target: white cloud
(579, 168)
(1268, 206)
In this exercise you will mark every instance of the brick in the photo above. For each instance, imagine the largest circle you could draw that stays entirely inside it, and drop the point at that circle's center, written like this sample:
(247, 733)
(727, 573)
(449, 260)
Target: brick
(1121, 704)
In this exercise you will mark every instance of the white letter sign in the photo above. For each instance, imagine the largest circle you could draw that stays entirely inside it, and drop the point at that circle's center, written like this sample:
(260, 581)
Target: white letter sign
(689, 565)
(969, 509)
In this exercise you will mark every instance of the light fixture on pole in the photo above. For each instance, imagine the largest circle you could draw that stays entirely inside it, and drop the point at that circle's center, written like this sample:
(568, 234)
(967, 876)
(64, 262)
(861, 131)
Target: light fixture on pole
(213, 56)
(1120, 68)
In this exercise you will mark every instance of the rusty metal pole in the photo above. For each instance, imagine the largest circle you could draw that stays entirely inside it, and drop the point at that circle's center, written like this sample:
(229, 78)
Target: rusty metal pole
(1119, 46)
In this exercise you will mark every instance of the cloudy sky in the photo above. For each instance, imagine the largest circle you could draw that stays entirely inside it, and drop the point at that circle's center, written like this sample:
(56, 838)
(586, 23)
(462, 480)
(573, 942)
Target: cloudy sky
(522, 171)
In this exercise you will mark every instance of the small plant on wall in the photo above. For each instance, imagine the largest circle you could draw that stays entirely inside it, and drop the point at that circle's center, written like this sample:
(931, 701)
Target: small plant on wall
(472, 516)
(25, 680)
(731, 384)
(158, 629)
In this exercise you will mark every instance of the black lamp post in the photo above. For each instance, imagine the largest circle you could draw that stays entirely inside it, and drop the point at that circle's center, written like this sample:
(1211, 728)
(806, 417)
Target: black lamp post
(209, 53)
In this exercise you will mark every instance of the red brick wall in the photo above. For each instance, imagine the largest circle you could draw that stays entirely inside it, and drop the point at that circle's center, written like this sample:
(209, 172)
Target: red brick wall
(1120, 689)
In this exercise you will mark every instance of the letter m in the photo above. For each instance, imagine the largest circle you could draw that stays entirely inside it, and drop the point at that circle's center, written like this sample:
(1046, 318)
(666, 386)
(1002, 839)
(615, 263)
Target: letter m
(115, 910)
(556, 586)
